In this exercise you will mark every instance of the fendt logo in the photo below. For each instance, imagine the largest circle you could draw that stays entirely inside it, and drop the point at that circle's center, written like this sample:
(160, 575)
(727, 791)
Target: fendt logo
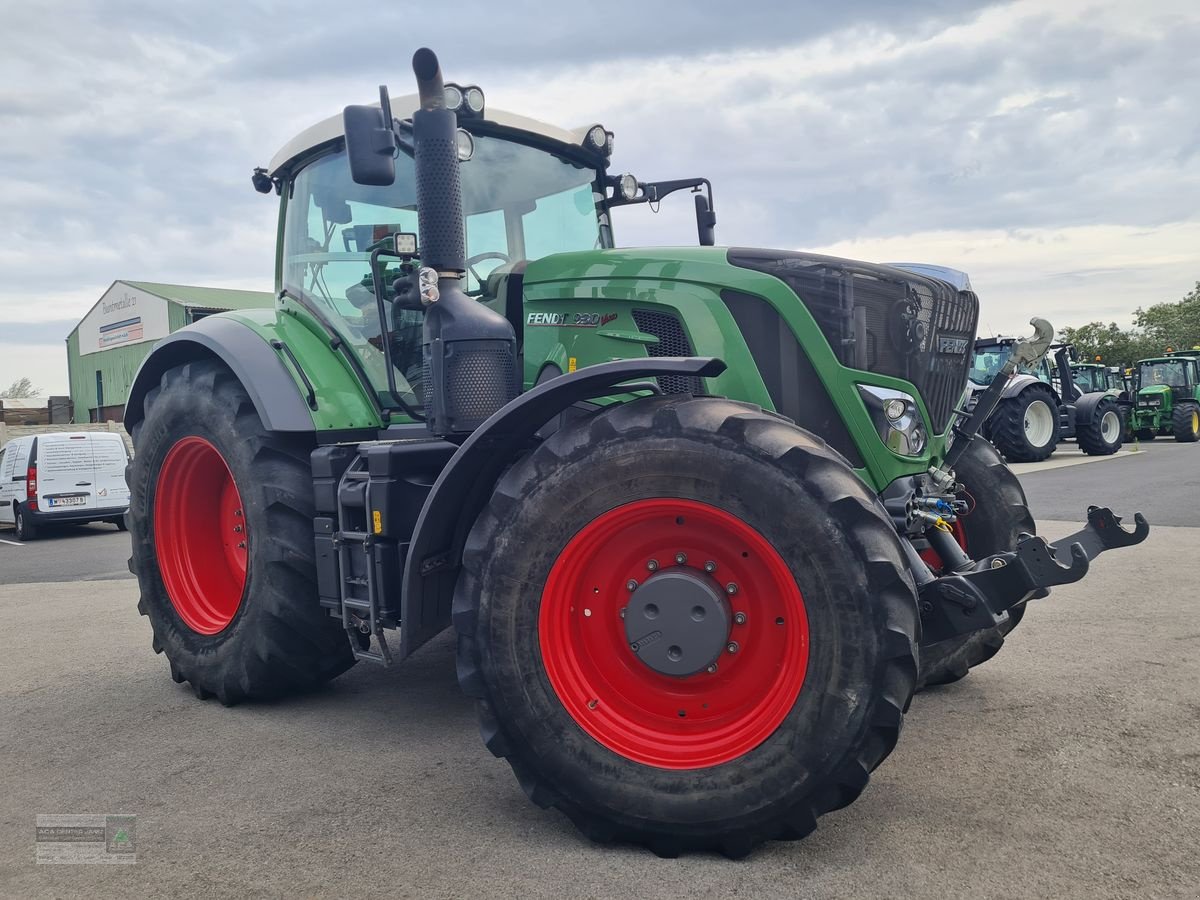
(952, 346)
(570, 320)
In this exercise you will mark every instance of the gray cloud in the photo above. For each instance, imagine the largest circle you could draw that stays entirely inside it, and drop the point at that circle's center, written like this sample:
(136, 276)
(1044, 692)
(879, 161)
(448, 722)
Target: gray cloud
(131, 127)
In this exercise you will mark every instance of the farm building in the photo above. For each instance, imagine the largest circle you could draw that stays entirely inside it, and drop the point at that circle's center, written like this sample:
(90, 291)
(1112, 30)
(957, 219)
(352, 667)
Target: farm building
(110, 342)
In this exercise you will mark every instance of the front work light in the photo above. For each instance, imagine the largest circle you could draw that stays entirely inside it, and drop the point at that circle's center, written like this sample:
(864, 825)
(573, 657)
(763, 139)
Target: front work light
(597, 139)
(897, 419)
(474, 99)
(628, 187)
(454, 97)
(465, 144)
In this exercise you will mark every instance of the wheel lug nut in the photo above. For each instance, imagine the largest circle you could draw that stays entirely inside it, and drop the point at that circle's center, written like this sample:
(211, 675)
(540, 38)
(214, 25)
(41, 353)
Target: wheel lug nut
(739, 618)
(631, 585)
(733, 647)
(241, 545)
(652, 565)
(622, 612)
(680, 558)
(710, 567)
(237, 528)
(712, 669)
(731, 588)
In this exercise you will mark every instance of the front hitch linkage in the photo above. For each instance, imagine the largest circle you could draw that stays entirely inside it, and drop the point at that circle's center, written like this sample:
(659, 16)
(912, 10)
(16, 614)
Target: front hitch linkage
(963, 602)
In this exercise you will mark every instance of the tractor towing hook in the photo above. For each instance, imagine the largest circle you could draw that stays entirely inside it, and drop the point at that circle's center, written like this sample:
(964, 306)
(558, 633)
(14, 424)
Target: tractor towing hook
(966, 601)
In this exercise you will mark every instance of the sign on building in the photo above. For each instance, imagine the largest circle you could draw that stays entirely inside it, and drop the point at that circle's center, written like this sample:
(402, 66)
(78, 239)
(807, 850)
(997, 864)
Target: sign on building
(124, 315)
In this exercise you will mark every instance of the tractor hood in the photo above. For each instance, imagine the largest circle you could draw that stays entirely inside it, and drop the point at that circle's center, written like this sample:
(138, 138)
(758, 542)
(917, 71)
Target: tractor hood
(901, 324)
(1153, 390)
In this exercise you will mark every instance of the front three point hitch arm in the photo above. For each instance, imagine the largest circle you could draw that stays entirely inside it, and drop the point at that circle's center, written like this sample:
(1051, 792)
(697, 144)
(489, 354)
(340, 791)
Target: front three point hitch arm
(963, 602)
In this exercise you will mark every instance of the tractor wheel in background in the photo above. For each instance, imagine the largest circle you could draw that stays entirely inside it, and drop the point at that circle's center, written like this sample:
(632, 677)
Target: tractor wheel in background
(1146, 434)
(26, 530)
(1025, 428)
(689, 625)
(998, 515)
(1185, 422)
(1102, 433)
(220, 518)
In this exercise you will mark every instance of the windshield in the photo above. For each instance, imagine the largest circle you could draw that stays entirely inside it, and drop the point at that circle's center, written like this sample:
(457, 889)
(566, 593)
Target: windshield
(1089, 379)
(1170, 373)
(520, 203)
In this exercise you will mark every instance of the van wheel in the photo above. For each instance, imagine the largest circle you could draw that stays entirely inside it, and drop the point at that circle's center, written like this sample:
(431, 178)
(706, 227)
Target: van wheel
(120, 523)
(26, 530)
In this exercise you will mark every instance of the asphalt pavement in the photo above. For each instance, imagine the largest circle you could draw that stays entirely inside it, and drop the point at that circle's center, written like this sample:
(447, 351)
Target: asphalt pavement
(1068, 766)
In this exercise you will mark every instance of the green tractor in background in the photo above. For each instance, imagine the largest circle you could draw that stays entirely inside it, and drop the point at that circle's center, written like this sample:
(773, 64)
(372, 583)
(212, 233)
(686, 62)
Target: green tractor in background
(1168, 396)
(703, 519)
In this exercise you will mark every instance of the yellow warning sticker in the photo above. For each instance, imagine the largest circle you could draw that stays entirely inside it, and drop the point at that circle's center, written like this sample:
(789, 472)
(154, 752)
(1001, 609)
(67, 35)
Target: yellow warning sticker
(571, 364)
(377, 521)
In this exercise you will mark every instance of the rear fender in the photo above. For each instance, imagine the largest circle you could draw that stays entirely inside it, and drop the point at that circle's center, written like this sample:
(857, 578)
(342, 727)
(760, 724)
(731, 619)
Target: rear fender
(1018, 383)
(466, 483)
(296, 380)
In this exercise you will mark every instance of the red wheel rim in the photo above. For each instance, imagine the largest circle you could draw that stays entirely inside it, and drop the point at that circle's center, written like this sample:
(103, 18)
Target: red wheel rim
(670, 722)
(200, 535)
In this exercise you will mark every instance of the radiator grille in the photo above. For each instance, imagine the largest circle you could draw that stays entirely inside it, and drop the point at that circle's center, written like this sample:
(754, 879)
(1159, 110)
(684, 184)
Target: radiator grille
(672, 341)
(913, 327)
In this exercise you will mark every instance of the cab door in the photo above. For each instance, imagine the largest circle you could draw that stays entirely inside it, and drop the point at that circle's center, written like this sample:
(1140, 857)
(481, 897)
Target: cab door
(66, 473)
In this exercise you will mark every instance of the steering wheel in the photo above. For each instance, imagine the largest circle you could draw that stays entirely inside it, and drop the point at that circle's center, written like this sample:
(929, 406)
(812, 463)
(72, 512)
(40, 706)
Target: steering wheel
(480, 257)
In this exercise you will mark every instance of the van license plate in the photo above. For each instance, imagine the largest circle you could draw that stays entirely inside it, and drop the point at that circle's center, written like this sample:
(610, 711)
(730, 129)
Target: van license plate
(66, 501)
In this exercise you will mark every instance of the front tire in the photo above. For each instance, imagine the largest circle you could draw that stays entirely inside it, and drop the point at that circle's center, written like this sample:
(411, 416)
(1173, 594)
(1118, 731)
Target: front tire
(1185, 422)
(220, 520)
(769, 738)
(1101, 434)
(1025, 427)
(998, 516)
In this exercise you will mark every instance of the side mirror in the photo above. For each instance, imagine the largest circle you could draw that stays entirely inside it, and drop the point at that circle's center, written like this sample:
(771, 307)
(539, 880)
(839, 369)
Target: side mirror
(706, 222)
(371, 142)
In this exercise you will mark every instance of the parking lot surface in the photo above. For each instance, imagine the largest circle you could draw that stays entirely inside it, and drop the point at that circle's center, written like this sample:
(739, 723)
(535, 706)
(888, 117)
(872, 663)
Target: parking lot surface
(1069, 766)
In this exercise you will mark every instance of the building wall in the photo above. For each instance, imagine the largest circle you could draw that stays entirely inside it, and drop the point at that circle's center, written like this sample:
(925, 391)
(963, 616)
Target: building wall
(116, 366)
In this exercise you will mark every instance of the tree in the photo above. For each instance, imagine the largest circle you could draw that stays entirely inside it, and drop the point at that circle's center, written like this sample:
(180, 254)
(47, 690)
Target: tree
(1175, 325)
(19, 390)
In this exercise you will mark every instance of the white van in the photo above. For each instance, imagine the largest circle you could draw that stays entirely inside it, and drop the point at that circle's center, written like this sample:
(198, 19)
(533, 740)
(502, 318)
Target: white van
(72, 477)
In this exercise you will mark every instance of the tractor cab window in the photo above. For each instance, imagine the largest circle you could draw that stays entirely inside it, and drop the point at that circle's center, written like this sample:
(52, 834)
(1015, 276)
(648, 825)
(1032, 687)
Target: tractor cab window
(520, 203)
(1089, 379)
(989, 360)
(1168, 372)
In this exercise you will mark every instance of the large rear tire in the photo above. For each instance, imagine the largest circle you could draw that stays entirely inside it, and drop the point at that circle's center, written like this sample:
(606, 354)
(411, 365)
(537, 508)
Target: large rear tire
(1185, 422)
(999, 514)
(220, 519)
(1025, 427)
(1102, 433)
(804, 696)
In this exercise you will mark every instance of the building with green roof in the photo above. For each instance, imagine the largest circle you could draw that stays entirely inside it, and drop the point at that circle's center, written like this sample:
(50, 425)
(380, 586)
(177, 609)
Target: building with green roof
(108, 345)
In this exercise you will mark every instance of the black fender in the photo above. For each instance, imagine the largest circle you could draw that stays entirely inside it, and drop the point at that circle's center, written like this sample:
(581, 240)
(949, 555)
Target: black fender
(253, 360)
(466, 483)
(1018, 383)
(1086, 405)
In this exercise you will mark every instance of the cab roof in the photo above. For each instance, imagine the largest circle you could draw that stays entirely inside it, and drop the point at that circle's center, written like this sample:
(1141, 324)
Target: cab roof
(331, 129)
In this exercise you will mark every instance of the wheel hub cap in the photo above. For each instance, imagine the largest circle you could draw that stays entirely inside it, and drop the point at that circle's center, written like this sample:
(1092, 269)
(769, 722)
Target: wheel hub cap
(678, 623)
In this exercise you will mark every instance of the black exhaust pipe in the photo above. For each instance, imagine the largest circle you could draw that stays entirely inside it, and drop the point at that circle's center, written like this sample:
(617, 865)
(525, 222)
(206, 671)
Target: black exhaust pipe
(470, 351)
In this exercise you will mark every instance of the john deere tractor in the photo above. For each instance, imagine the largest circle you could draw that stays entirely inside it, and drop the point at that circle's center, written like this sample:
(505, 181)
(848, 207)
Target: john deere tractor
(703, 519)
(1045, 403)
(1168, 396)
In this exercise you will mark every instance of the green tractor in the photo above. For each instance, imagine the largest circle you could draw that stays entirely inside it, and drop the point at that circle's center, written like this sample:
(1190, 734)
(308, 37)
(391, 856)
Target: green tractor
(703, 519)
(1045, 402)
(1168, 396)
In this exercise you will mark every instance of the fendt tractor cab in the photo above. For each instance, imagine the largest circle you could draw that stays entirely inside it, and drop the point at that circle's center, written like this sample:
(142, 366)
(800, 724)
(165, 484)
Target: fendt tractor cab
(1046, 402)
(1168, 396)
(702, 518)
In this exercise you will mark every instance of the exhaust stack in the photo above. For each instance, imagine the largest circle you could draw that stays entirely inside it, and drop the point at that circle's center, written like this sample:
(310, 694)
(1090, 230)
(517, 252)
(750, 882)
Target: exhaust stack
(469, 351)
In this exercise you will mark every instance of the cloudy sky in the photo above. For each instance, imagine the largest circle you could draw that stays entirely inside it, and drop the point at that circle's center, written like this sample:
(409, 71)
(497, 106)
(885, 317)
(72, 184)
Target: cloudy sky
(1050, 148)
